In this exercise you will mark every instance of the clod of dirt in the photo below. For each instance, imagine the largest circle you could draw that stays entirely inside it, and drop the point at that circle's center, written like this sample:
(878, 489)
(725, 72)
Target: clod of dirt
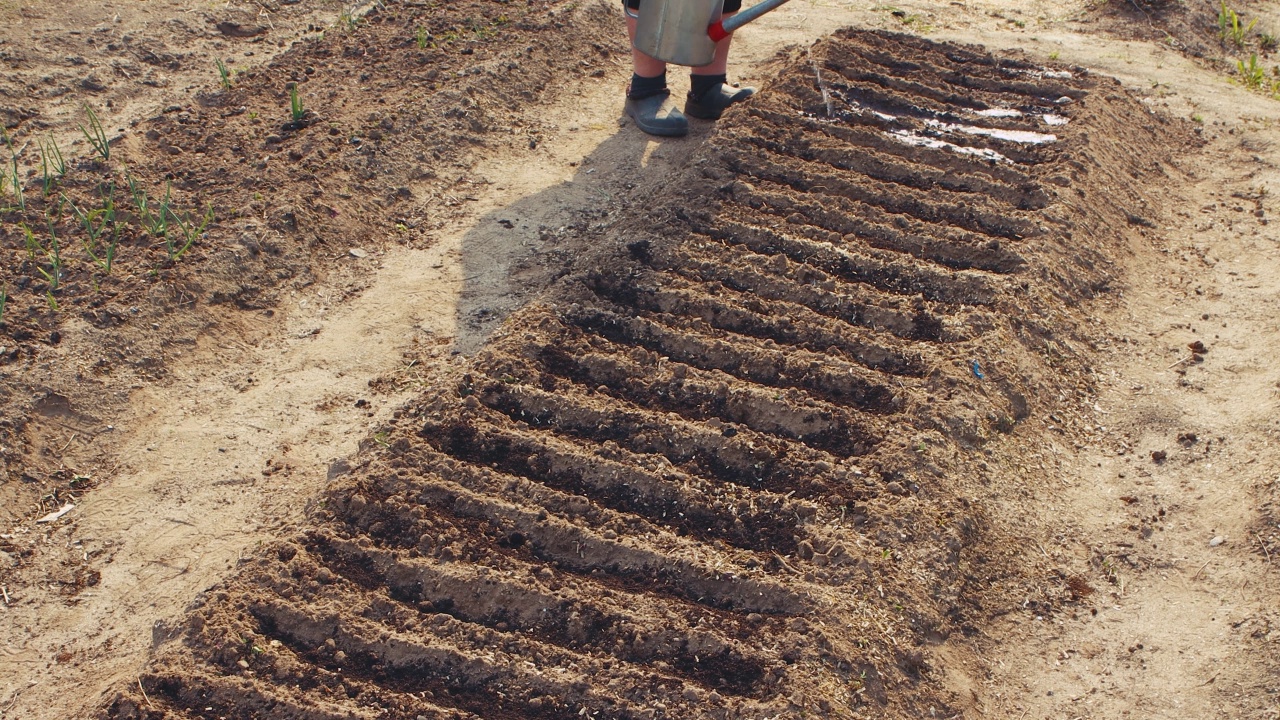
(236, 30)
(1158, 456)
(1198, 347)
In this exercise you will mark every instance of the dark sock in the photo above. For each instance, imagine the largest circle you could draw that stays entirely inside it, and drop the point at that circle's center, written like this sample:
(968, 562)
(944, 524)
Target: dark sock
(699, 85)
(643, 87)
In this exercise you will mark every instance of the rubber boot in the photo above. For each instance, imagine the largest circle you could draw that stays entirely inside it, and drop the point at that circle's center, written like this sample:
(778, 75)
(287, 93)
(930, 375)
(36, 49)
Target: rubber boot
(657, 116)
(712, 104)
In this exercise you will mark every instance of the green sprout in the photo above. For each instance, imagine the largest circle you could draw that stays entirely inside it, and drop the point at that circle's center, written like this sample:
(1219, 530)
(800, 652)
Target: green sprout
(1231, 28)
(102, 229)
(32, 244)
(224, 75)
(347, 19)
(156, 224)
(296, 110)
(96, 136)
(4, 300)
(1253, 75)
(177, 247)
(424, 38)
(53, 253)
(52, 164)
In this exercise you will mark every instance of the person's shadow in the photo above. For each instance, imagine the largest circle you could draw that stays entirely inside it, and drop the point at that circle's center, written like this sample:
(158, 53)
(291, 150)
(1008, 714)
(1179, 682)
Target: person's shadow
(514, 253)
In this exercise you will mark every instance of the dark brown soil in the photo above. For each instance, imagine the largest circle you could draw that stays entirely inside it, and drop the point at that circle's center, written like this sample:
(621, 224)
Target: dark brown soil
(1191, 27)
(732, 466)
(394, 107)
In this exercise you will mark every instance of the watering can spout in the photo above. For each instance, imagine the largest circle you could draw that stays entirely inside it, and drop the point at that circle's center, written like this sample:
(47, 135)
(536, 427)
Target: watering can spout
(721, 29)
(685, 32)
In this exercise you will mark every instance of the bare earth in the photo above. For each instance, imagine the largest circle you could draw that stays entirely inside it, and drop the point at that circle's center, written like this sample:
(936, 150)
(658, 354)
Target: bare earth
(1149, 498)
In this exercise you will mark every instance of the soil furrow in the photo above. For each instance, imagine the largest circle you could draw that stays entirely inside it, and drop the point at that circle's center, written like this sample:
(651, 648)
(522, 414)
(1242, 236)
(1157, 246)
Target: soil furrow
(664, 311)
(836, 204)
(519, 601)
(712, 450)
(848, 257)
(743, 313)
(791, 141)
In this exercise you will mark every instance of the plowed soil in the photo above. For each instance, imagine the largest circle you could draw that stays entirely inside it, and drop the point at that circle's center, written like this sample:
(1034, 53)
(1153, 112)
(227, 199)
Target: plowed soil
(722, 471)
(837, 408)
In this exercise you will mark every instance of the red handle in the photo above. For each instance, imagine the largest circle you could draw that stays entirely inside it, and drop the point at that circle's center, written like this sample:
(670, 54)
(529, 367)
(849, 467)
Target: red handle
(717, 31)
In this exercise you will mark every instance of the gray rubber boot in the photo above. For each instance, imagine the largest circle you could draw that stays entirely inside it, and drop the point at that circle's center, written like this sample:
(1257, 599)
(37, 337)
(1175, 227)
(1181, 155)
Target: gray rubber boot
(713, 102)
(657, 116)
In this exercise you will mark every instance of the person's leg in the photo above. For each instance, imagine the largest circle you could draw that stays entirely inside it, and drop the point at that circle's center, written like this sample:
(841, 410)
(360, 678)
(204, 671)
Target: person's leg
(709, 89)
(647, 95)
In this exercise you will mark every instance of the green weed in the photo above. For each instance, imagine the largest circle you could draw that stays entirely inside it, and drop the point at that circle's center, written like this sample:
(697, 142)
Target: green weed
(296, 109)
(4, 300)
(1267, 41)
(423, 38)
(224, 75)
(1231, 28)
(96, 136)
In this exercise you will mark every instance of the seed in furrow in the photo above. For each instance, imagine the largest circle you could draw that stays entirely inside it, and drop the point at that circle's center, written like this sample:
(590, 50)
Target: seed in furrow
(518, 601)
(939, 58)
(583, 550)
(792, 140)
(726, 453)
(818, 374)
(951, 247)
(855, 108)
(690, 308)
(894, 276)
(706, 395)
(826, 313)
(857, 138)
(665, 496)
(739, 310)
(843, 202)
(951, 89)
(199, 694)
(459, 664)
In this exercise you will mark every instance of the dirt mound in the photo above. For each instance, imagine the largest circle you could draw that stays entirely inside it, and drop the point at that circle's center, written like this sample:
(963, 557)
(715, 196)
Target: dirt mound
(726, 469)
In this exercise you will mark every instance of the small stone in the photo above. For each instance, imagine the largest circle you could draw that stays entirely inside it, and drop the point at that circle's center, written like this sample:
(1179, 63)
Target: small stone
(1216, 541)
(243, 664)
(359, 252)
(339, 656)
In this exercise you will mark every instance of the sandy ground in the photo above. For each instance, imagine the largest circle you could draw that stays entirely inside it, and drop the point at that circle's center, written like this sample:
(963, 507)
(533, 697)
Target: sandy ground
(1182, 630)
